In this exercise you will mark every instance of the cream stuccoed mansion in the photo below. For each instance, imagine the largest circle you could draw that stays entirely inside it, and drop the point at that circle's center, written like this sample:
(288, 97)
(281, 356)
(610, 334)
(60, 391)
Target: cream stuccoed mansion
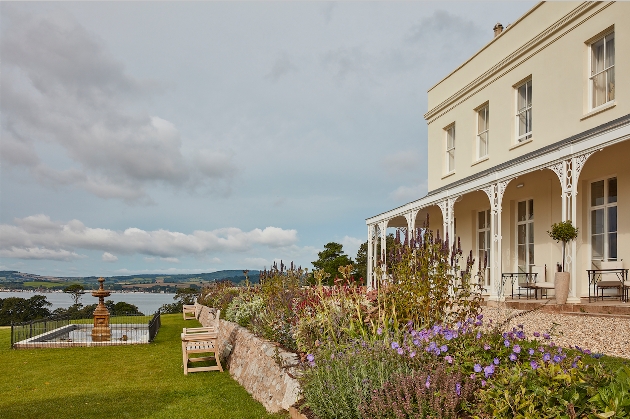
(532, 130)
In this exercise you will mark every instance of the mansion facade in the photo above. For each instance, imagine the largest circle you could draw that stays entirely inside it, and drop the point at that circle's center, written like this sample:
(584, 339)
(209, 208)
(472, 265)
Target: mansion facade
(532, 130)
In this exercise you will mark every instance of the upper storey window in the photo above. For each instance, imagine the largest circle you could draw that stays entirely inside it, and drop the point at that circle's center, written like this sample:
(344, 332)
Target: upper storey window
(603, 70)
(524, 111)
(450, 148)
(483, 131)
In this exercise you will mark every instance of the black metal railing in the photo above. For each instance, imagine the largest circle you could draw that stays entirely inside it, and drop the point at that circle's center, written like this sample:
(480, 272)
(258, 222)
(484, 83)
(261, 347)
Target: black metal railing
(154, 325)
(66, 331)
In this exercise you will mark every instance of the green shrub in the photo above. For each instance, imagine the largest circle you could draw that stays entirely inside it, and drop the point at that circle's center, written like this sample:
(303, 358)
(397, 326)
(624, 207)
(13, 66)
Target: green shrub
(243, 308)
(218, 295)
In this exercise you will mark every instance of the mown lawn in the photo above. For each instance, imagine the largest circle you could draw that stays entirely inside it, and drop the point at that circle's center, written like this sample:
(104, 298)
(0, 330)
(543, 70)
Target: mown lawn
(135, 381)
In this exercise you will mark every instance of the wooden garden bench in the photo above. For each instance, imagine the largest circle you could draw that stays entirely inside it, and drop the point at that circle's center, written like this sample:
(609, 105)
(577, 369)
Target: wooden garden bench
(190, 309)
(201, 340)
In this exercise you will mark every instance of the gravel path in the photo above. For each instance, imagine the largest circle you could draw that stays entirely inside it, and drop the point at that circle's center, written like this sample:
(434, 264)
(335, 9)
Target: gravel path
(607, 335)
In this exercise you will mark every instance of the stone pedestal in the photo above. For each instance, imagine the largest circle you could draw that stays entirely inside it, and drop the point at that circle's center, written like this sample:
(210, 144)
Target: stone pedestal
(101, 332)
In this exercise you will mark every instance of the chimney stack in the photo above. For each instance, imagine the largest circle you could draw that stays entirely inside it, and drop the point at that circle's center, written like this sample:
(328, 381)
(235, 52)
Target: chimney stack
(498, 28)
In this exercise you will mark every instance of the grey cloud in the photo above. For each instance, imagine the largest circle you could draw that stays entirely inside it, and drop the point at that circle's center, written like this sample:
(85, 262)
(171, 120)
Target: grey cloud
(281, 67)
(38, 237)
(346, 61)
(402, 162)
(60, 85)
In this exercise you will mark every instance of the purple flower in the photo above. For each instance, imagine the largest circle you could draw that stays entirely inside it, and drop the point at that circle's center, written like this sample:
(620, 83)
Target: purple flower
(531, 351)
(379, 331)
(489, 370)
(477, 368)
(496, 361)
(310, 357)
(506, 343)
(513, 357)
(486, 346)
(556, 359)
(483, 383)
(546, 357)
(458, 389)
(443, 348)
(536, 334)
(473, 376)
(412, 354)
(480, 316)
(416, 342)
(400, 351)
(534, 365)
(448, 359)
(517, 349)
(395, 345)
(546, 335)
(448, 335)
(478, 335)
(427, 384)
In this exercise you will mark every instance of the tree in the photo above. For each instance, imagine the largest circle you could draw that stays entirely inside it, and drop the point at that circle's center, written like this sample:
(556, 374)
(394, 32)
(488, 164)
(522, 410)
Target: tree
(76, 291)
(360, 263)
(331, 259)
(15, 309)
(563, 232)
(121, 308)
(182, 296)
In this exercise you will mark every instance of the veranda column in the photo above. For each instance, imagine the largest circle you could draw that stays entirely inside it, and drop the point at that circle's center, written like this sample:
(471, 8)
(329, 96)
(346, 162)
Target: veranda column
(383, 228)
(444, 207)
(577, 163)
(370, 262)
(411, 223)
(563, 171)
(490, 190)
(498, 235)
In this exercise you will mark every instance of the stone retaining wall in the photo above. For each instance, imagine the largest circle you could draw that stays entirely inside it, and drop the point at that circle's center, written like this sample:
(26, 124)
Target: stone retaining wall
(265, 370)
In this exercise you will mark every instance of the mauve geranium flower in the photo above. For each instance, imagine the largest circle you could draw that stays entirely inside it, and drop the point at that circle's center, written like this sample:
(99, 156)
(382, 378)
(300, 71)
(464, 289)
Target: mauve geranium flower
(448, 359)
(400, 351)
(536, 334)
(395, 345)
(486, 346)
(517, 349)
(513, 357)
(534, 365)
(496, 361)
(531, 351)
(477, 368)
(506, 343)
(489, 370)
(427, 384)
(458, 389)
(310, 357)
(546, 357)
(379, 331)
(443, 348)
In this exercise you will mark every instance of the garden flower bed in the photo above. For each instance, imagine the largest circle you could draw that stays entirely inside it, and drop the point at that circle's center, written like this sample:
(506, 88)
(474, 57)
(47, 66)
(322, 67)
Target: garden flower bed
(418, 346)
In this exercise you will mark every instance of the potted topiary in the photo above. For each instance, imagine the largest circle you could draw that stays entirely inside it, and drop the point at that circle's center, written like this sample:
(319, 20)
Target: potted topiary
(563, 232)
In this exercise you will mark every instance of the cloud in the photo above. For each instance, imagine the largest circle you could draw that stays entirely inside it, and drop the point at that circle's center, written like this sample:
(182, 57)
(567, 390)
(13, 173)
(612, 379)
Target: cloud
(409, 193)
(38, 253)
(283, 66)
(351, 245)
(108, 257)
(38, 237)
(61, 87)
(402, 162)
(258, 263)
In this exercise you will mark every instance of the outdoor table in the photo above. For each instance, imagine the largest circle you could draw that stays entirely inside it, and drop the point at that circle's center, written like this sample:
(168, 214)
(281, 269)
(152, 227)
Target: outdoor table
(530, 280)
(595, 280)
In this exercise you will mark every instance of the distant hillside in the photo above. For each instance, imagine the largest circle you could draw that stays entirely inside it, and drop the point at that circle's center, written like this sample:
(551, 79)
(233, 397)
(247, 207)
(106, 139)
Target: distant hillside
(144, 282)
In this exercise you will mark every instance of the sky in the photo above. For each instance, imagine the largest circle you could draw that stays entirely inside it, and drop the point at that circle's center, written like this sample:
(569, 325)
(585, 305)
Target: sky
(187, 137)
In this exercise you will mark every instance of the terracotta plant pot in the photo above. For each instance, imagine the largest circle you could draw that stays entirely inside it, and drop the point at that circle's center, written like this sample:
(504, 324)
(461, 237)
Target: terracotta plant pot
(562, 280)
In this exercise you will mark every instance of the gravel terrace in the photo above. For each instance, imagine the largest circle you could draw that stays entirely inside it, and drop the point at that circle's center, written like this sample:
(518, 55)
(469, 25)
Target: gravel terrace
(607, 335)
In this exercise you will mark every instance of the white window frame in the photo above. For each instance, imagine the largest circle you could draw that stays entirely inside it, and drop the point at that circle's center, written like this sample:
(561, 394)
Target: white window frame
(526, 110)
(486, 230)
(483, 131)
(527, 236)
(449, 132)
(604, 206)
(591, 78)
